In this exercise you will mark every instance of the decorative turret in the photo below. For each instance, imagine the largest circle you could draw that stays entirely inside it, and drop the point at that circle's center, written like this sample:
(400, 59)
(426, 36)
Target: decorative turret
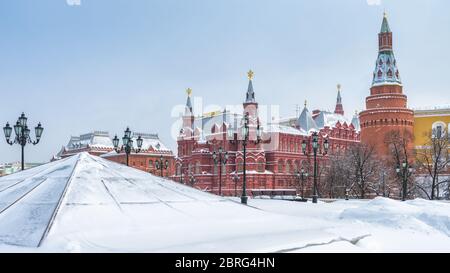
(188, 117)
(305, 120)
(355, 122)
(188, 107)
(250, 104)
(386, 106)
(250, 98)
(339, 108)
(386, 71)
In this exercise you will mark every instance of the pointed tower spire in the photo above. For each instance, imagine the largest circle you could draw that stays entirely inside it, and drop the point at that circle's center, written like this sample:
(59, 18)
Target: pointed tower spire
(355, 121)
(385, 25)
(188, 108)
(386, 70)
(250, 97)
(339, 109)
(188, 117)
(305, 120)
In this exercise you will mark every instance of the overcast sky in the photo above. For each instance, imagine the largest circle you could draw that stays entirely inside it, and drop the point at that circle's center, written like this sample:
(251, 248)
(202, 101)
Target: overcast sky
(86, 65)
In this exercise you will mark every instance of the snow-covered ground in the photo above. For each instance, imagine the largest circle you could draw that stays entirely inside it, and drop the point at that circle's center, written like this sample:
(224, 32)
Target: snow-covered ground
(89, 204)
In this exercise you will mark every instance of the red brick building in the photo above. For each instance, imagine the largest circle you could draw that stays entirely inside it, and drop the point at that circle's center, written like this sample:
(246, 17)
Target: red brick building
(386, 107)
(99, 143)
(271, 164)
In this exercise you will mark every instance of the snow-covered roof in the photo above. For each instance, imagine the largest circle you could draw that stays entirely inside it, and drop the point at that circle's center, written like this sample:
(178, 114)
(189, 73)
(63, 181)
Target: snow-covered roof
(305, 121)
(328, 119)
(98, 139)
(444, 107)
(284, 129)
(207, 121)
(102, 140)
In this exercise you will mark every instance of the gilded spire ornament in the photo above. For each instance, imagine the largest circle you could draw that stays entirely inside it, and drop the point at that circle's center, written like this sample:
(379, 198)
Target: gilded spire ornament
(250, 74)
(189, 91)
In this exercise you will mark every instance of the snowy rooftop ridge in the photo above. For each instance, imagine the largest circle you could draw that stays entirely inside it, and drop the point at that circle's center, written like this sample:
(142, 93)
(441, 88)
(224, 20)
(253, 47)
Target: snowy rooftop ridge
(432, 108)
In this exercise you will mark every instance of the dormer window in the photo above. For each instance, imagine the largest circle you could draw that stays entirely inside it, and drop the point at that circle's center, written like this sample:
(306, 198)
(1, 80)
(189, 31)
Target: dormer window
(380, 74)
(389, 73)
(381, 62)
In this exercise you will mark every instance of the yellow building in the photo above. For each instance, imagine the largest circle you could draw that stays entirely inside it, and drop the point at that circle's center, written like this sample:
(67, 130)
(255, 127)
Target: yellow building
(436, 120)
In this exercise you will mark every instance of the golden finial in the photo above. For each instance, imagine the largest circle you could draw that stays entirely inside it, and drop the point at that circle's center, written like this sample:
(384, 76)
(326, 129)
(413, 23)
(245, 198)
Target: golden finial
(339, 87)
(250, 74)
(189, 91)
(385, 14)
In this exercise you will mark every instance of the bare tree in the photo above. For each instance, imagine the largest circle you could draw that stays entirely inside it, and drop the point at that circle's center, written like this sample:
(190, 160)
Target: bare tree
(400, 144)
(362, 169)
(433, 161)
(335, 176)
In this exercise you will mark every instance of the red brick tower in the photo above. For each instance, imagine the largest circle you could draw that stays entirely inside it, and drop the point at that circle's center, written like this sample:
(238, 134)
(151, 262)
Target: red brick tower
(339, 109)
(386, 107)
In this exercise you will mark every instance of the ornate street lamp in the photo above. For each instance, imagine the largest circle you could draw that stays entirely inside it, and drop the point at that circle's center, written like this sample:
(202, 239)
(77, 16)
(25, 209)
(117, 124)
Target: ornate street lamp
(236, 180)
(22, 134)
(315, 147)
(191, 179)
(127, 146)
(161, 164)
(220, 158)
(404, 171)
(301, 176)
(245, 141)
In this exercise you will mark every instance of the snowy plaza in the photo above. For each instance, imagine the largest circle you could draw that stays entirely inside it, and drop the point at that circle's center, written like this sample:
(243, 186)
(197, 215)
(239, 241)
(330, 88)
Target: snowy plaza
(88, 204)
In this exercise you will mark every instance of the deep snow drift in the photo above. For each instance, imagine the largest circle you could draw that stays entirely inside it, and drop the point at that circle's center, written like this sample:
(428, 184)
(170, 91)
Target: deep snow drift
(86, 203)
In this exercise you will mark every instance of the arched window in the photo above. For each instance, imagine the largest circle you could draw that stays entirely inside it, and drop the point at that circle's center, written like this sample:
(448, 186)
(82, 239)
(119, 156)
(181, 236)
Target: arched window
(288, 167)
(438, 129)
(240, 166)
(197, 167)
(380, 73)
(389, 73)
(280, 166)
(260, 166)
(150, 164)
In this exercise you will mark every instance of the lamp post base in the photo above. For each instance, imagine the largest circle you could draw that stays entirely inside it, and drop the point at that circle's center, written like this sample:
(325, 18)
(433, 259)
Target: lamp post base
(314, 199)
(244, 200)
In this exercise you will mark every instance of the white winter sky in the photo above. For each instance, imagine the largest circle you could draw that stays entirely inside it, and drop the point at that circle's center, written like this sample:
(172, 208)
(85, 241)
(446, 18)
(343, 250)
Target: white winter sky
(106, 64)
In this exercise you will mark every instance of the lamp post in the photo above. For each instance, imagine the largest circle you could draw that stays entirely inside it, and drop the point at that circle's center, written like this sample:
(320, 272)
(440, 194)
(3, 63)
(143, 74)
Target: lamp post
(236, 180)
(162, 165)
(315, 147)
(302, 175)
(245, 141)
(220, 158)
(191, 179)
(127, 146)
(22, 134)
(404, 171)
